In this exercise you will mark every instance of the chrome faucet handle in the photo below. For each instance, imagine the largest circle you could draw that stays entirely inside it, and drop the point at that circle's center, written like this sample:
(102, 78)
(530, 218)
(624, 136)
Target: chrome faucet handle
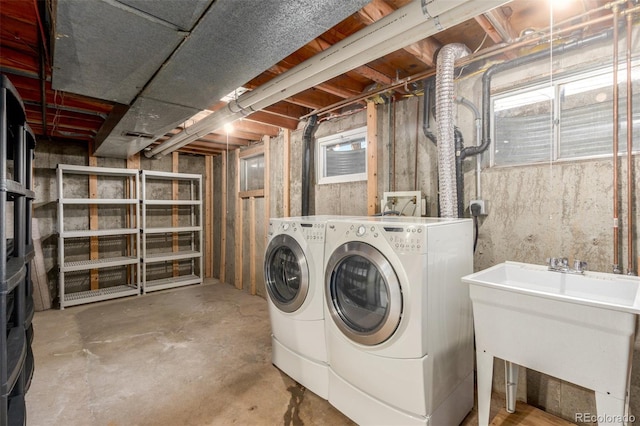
(579, 265)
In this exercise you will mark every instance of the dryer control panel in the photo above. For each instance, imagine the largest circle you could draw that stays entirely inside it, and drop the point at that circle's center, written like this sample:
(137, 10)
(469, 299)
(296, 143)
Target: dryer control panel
(407, 238)
(402, 238)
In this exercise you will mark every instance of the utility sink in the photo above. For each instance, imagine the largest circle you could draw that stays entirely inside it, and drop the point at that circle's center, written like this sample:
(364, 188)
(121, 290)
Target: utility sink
(577, 327)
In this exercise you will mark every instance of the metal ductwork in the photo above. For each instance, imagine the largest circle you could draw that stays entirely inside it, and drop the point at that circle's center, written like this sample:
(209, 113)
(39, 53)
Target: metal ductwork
(407, 25)
(445, 128)
(168, 60)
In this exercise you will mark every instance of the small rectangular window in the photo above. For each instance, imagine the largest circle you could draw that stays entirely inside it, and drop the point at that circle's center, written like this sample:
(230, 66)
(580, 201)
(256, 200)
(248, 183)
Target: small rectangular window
(252, 173)
(523, 124)
(567, 118)
(343, 157)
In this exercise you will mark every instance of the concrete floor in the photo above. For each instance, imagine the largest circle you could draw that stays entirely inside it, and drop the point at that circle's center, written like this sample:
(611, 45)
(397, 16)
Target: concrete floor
(198, 355)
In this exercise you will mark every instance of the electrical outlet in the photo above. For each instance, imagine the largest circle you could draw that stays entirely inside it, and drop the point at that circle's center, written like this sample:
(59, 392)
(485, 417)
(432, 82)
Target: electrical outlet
(475, 211)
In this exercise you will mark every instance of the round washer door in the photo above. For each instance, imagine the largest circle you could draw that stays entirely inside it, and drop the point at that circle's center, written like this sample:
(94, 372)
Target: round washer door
(363, 293)
(286, 273)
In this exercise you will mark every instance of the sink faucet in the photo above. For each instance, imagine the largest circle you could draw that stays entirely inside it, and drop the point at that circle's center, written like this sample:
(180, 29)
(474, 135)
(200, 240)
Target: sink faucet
(561, 264)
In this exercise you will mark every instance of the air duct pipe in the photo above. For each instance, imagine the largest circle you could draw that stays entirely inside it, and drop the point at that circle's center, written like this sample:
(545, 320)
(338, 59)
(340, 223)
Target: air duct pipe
(409, 24)
(445, 129)
(458, 139)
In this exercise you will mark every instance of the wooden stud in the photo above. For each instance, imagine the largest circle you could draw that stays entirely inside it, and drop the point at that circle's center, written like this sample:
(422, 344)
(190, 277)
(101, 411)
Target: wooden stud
(250, 152)
(174, 211)
(267, 210)
(239, 260)
(208, 216)
(93, 220)
(256, 193)
(372, 158)
(286, 184)
(252, 244)
(223, 218)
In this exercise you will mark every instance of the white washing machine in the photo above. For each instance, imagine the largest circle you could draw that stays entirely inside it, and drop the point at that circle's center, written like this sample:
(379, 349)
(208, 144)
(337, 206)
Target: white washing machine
(398, 319)
(294, 278)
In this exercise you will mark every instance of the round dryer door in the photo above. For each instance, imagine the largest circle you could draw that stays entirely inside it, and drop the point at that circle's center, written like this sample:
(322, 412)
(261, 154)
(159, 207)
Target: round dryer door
(286, 273)
(363, 293)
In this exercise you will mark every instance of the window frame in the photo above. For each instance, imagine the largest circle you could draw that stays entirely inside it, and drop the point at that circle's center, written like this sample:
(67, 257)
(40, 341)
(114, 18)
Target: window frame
(557, 84)
(330, 140)
(244, 155)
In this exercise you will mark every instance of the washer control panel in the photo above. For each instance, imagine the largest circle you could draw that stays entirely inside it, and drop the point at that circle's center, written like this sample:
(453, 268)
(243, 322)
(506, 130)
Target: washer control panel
(402, 238)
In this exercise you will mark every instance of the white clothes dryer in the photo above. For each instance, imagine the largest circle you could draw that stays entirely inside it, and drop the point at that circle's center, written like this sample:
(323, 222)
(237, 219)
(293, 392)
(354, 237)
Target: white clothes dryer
(294, 277)
(398, 319)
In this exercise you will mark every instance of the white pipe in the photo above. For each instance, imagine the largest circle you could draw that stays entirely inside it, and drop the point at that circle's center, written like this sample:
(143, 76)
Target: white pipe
(406, 25)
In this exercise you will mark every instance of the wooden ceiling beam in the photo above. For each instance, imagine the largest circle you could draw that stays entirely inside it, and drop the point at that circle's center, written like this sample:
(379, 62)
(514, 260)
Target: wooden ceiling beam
(187, 150)
(238, 134)
(313, 98)
(72, 133)
(250, 126)
(274, 120)
(374, 75)
(214, 138)
(13, 59)
(287, 109)
(423, 50)
(320, 44)
(497, 26)
(29, 90)
(213, 146)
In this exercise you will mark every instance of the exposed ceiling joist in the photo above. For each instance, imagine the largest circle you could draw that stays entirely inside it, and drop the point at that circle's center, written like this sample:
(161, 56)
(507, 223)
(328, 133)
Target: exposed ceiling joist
(79, 117)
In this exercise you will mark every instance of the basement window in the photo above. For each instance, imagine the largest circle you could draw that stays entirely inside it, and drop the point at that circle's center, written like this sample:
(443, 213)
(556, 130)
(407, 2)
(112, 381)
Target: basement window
(568, 118)
(251, 166)
(342, 157)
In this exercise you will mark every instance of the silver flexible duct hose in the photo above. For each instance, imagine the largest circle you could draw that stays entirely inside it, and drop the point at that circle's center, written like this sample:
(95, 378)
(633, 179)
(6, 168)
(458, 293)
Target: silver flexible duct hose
(445, 128)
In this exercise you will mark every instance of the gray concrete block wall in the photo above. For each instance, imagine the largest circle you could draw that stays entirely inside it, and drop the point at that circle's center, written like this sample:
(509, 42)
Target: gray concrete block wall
(546, 210)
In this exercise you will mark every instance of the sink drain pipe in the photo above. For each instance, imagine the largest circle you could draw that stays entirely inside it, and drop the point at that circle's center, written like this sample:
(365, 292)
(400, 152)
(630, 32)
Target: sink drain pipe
(307, 153)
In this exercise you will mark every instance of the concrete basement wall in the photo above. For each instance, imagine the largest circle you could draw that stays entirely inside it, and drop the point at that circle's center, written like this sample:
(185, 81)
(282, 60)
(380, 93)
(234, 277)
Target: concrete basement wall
(549, 210)
(47, 156)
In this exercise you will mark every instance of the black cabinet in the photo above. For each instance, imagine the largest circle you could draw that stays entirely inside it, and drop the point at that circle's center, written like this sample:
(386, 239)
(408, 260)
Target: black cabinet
(17, 145)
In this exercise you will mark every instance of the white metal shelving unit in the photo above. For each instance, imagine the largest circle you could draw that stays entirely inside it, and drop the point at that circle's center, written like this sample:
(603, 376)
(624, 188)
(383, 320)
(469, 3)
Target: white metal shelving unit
(189, 251)
(128, 207)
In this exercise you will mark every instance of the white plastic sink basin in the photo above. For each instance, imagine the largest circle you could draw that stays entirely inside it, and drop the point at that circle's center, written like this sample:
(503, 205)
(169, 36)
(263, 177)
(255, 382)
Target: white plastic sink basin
(579, 328)
(611, 291)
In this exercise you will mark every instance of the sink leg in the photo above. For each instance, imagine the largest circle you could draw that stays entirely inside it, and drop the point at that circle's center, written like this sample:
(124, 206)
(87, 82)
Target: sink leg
(611, 410)
(511, 385)
(485, 378)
